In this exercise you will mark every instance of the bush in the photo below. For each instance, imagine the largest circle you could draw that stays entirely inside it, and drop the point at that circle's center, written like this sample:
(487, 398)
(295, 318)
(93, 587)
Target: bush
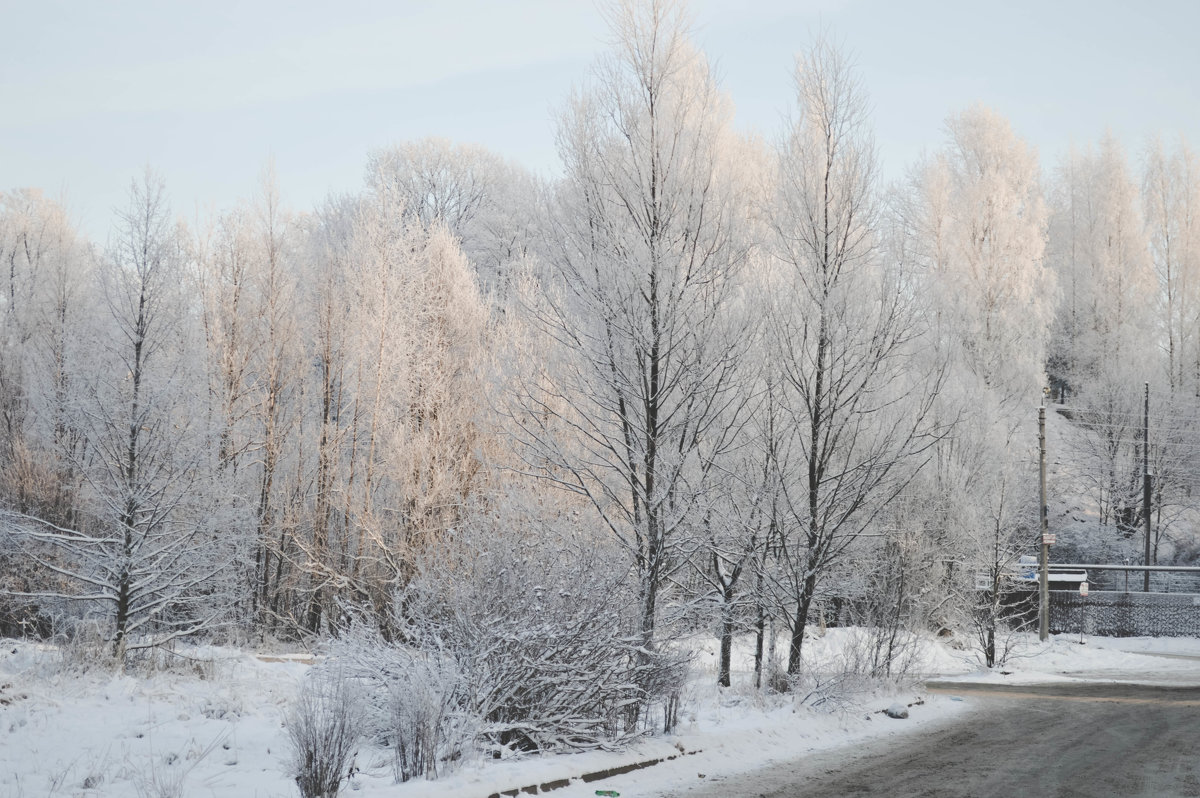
(542, 640)
(507, 649)
(426, 726)
(323, 730)
(413, 703)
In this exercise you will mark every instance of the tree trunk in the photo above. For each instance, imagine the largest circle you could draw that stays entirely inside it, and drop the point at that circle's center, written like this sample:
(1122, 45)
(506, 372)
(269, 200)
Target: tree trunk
(759, 630)
(800, 622)
(726, 635)
(122, 620)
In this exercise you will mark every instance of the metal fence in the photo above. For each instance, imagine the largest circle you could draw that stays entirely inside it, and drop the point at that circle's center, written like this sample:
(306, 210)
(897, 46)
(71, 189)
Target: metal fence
(1115, 613)
(1160, 581)
(1132, 578)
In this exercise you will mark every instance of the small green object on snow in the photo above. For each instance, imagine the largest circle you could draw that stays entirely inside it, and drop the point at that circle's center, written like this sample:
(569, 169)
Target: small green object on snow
(608, 793)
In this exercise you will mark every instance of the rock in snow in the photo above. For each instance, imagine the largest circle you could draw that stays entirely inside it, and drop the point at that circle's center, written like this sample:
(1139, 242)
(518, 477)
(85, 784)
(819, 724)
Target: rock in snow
(897, 710)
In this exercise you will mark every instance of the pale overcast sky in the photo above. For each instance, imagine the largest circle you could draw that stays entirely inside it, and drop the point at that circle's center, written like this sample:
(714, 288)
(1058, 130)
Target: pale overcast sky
(206, 92)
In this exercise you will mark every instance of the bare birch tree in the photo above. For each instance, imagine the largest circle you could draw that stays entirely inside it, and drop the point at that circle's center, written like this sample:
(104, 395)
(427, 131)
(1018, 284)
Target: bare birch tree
(1102, 255)
(856, 401)
(277, 379)
(641, 396)
(1171, 201)
(44, 315)
(977, 225)
(485, 202)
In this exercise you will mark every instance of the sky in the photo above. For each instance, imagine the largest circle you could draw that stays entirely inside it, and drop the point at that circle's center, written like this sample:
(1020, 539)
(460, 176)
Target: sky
(207, 93)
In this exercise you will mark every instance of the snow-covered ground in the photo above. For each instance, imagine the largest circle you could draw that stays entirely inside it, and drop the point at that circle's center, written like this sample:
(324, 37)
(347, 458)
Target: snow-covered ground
(1146, 660)
(213, 727)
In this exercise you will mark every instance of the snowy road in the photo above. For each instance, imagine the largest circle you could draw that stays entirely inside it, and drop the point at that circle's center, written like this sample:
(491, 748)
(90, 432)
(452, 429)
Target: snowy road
(1061, 739)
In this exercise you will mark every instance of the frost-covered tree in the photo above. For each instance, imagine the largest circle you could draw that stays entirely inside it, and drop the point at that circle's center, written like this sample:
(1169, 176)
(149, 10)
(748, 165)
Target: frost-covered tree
(487, 203)
(639, 399)
(856, 402)
(247, 284)
(1171, 202)
(319, 555)
(276, 377)
(395, 398)
(1106, 342)
(981, 202)
(974, 222)
(223, 272)
(419, 366)
(45, 310)
(44, 313)
(1098, 247)
(141, 552)
(740, 521)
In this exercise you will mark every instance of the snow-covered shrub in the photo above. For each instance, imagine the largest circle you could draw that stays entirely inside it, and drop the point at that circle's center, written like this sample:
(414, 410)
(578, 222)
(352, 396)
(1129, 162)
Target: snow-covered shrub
(825, 690)
(323, 731)
(543, 639)
(426, 727)
(880, 652)
(776, 680)
(412, 702)
(1000, 619)
(81, 646)
(504, 646)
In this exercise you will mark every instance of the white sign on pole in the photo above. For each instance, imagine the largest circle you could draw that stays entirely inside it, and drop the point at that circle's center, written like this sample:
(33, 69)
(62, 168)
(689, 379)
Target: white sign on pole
(1083, 588)
(1049, 539)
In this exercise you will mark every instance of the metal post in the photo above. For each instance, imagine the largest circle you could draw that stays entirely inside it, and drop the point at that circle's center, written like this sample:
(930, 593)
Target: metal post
(1146, 483)
(1044, 549)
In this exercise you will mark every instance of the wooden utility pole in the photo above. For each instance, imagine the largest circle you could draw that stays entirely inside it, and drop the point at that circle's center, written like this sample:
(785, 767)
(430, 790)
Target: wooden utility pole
(1044, 549)
(1146, 485)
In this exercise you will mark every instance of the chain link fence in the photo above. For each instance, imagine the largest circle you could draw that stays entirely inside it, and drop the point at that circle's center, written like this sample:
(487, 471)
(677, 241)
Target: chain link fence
(1112, 613)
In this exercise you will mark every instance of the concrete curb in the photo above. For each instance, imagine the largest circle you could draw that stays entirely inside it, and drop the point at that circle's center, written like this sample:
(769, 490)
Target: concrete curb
(586, 778)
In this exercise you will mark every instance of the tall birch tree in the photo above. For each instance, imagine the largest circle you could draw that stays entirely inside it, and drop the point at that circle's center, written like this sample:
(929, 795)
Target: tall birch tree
(857, 404)
(1171, 202)
(641, 399)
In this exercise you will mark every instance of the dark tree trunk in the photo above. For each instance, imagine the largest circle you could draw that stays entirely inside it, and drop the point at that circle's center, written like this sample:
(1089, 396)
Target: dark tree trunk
(726, 635)
(800, 622)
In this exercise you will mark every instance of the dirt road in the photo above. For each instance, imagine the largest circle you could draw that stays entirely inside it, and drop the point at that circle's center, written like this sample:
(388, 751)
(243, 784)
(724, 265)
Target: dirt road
(1059, 740)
